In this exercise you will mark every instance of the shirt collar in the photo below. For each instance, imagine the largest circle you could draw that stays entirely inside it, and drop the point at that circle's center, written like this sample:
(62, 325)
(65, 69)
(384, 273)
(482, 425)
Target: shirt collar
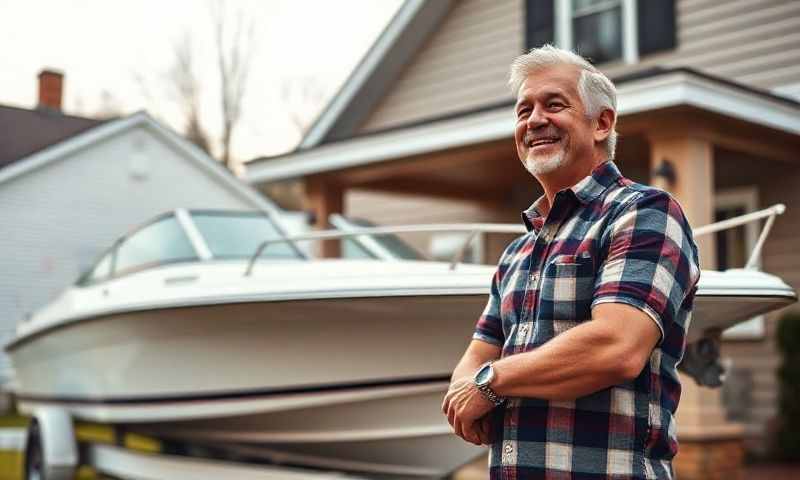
(589, 188)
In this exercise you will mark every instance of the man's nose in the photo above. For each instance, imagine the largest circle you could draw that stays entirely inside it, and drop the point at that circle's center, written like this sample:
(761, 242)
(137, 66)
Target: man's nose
(537, 118)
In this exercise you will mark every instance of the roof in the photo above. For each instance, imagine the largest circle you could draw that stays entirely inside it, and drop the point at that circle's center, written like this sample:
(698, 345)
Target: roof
(645, 91)
(410, 27)
(24, 131)
(101, 131)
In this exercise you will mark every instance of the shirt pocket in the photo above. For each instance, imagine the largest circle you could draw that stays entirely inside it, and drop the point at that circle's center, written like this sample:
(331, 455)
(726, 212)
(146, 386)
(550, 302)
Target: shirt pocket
(566, 292)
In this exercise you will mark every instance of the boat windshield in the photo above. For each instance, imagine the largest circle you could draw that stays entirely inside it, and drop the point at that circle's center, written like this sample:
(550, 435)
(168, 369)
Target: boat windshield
(395, 245)
(238, 234)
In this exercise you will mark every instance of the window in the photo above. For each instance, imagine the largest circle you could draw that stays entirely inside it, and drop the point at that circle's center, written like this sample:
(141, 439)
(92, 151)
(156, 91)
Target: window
(733, 247)
(238, 235)
(161, 242)
(597, 29)
(602, 30)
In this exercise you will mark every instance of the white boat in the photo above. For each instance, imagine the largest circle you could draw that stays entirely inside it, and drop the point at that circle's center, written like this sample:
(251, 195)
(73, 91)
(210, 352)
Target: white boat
(181, 332)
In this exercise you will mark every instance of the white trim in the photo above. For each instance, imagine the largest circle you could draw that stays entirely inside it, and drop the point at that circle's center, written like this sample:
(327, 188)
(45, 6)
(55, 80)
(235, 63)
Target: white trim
(564, 36)
(630, 32)
(466, 130)
(359, 77)
(747, 197)
(662, 91)
(563, 23)
(683, 88)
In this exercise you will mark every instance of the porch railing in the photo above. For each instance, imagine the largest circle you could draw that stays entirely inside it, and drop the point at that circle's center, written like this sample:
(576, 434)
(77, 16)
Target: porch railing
(473, 229)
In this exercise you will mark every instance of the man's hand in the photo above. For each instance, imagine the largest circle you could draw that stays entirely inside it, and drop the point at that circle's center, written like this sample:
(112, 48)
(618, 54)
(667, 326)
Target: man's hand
(466, 409)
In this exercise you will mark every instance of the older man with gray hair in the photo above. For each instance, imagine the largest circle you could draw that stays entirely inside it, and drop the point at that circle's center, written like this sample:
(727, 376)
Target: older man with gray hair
(571, 372)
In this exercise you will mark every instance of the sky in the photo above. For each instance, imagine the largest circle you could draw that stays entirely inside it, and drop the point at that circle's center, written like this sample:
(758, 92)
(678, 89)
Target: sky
(116, 56)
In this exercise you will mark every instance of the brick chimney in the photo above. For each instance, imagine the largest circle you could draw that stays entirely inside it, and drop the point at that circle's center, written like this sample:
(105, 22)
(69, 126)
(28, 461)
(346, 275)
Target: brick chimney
(51, 86)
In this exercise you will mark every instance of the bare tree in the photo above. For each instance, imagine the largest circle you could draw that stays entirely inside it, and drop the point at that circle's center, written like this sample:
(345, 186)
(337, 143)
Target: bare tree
(186, 88)
(303, 98)
(234, 55)
(234, 49)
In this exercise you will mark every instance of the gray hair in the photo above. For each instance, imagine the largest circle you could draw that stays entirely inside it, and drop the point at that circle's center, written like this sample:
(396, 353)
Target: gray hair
(595, 89)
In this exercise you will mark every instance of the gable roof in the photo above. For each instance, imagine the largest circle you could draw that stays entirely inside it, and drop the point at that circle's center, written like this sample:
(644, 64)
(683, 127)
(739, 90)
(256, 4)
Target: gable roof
(108, 129)
(410, 27)
(24, 131)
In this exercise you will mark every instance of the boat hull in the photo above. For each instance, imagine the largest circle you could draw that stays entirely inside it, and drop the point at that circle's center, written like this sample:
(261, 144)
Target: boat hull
(355, 384)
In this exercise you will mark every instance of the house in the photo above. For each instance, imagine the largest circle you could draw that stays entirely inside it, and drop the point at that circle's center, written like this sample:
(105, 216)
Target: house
(70, 186)
(422, 131)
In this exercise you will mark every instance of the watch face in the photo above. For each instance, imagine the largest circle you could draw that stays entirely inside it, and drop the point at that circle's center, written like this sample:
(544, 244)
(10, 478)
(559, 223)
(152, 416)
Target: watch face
(484, 375)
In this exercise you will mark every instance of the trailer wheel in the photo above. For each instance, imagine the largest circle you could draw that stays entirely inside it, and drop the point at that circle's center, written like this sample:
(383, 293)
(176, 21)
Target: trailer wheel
(34, 460)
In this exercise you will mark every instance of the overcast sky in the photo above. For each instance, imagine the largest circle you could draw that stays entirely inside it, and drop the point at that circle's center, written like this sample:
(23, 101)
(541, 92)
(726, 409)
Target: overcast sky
(115, 55)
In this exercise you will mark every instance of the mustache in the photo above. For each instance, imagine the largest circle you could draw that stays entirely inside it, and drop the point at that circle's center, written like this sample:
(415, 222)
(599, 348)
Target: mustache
(532, 136)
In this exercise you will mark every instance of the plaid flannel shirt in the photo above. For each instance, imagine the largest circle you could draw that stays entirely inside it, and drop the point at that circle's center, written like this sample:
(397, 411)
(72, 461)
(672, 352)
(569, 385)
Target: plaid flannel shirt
(606, 239)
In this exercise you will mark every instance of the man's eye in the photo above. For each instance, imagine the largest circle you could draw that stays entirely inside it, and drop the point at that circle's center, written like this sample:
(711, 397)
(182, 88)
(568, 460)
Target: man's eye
(555, 105)
(523, 112)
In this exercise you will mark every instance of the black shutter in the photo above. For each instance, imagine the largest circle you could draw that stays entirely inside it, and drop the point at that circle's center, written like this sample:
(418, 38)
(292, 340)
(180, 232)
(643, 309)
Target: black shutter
(539, 23)
(656, 25)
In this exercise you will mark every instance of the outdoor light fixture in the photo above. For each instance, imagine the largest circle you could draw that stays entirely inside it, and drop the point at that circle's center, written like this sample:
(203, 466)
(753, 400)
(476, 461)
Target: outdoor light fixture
(666, 172)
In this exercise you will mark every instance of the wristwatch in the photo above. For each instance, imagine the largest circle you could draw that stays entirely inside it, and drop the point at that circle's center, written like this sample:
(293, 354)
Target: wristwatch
(483, 378)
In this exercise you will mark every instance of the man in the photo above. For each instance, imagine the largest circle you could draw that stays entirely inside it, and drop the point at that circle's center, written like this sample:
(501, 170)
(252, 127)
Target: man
(571, 372)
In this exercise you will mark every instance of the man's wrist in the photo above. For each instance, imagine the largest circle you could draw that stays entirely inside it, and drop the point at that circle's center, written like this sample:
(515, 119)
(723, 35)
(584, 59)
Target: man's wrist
(482, 379)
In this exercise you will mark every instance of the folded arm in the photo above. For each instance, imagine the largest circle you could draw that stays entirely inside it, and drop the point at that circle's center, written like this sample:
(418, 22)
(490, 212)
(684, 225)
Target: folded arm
(608, 350)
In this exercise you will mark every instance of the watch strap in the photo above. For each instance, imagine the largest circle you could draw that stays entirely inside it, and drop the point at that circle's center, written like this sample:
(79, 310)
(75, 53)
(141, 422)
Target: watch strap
(486, 390)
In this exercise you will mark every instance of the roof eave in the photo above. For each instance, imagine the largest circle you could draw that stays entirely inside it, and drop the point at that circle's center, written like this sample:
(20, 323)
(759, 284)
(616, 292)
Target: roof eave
(659, 91)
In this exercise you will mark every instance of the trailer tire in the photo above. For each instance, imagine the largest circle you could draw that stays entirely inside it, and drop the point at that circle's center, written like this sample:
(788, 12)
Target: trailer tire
(34, 458)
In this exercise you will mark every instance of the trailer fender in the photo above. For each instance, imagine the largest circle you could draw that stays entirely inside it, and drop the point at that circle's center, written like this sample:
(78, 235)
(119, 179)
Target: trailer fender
(51, 451)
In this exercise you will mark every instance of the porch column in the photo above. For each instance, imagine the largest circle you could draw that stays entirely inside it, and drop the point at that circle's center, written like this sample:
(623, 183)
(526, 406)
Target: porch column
(710, 447)
(692, 160)
(324, 198)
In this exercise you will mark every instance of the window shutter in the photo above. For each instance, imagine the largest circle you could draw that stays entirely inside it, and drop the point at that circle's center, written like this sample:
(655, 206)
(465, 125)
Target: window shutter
(539, 22)
(656, 25)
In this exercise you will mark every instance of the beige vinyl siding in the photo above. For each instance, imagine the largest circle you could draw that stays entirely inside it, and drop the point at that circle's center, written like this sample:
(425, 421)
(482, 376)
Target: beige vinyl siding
(776, 184)
(465, 64)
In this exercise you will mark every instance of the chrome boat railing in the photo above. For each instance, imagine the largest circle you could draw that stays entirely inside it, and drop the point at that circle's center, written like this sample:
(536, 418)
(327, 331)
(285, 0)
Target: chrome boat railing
(473, 229)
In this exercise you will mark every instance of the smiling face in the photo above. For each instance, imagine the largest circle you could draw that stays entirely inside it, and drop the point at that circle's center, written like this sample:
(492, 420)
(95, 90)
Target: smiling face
(552, 130)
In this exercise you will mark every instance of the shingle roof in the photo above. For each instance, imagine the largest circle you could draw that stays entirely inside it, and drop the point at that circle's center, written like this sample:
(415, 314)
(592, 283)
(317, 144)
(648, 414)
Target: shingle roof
(23, 131)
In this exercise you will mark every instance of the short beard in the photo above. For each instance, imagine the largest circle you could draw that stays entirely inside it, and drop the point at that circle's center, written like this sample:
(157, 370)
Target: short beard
(546, 165)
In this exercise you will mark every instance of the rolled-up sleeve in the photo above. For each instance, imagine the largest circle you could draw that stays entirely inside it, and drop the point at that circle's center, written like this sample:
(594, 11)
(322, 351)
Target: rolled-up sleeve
(651, 260)
(490, 326)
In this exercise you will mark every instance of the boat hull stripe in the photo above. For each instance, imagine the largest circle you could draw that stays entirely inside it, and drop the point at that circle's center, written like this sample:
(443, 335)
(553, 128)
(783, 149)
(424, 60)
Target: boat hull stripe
(233, 395)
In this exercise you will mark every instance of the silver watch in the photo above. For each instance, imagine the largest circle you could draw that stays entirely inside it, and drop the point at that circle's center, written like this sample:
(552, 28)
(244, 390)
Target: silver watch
(483, 378)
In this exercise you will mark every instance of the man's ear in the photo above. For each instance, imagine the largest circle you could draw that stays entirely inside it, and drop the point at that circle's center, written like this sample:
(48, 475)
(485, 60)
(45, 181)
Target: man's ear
(605, 125)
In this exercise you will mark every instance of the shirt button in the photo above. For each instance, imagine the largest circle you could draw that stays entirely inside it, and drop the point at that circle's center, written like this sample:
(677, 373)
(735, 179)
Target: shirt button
(534, 280)
(523, 330)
